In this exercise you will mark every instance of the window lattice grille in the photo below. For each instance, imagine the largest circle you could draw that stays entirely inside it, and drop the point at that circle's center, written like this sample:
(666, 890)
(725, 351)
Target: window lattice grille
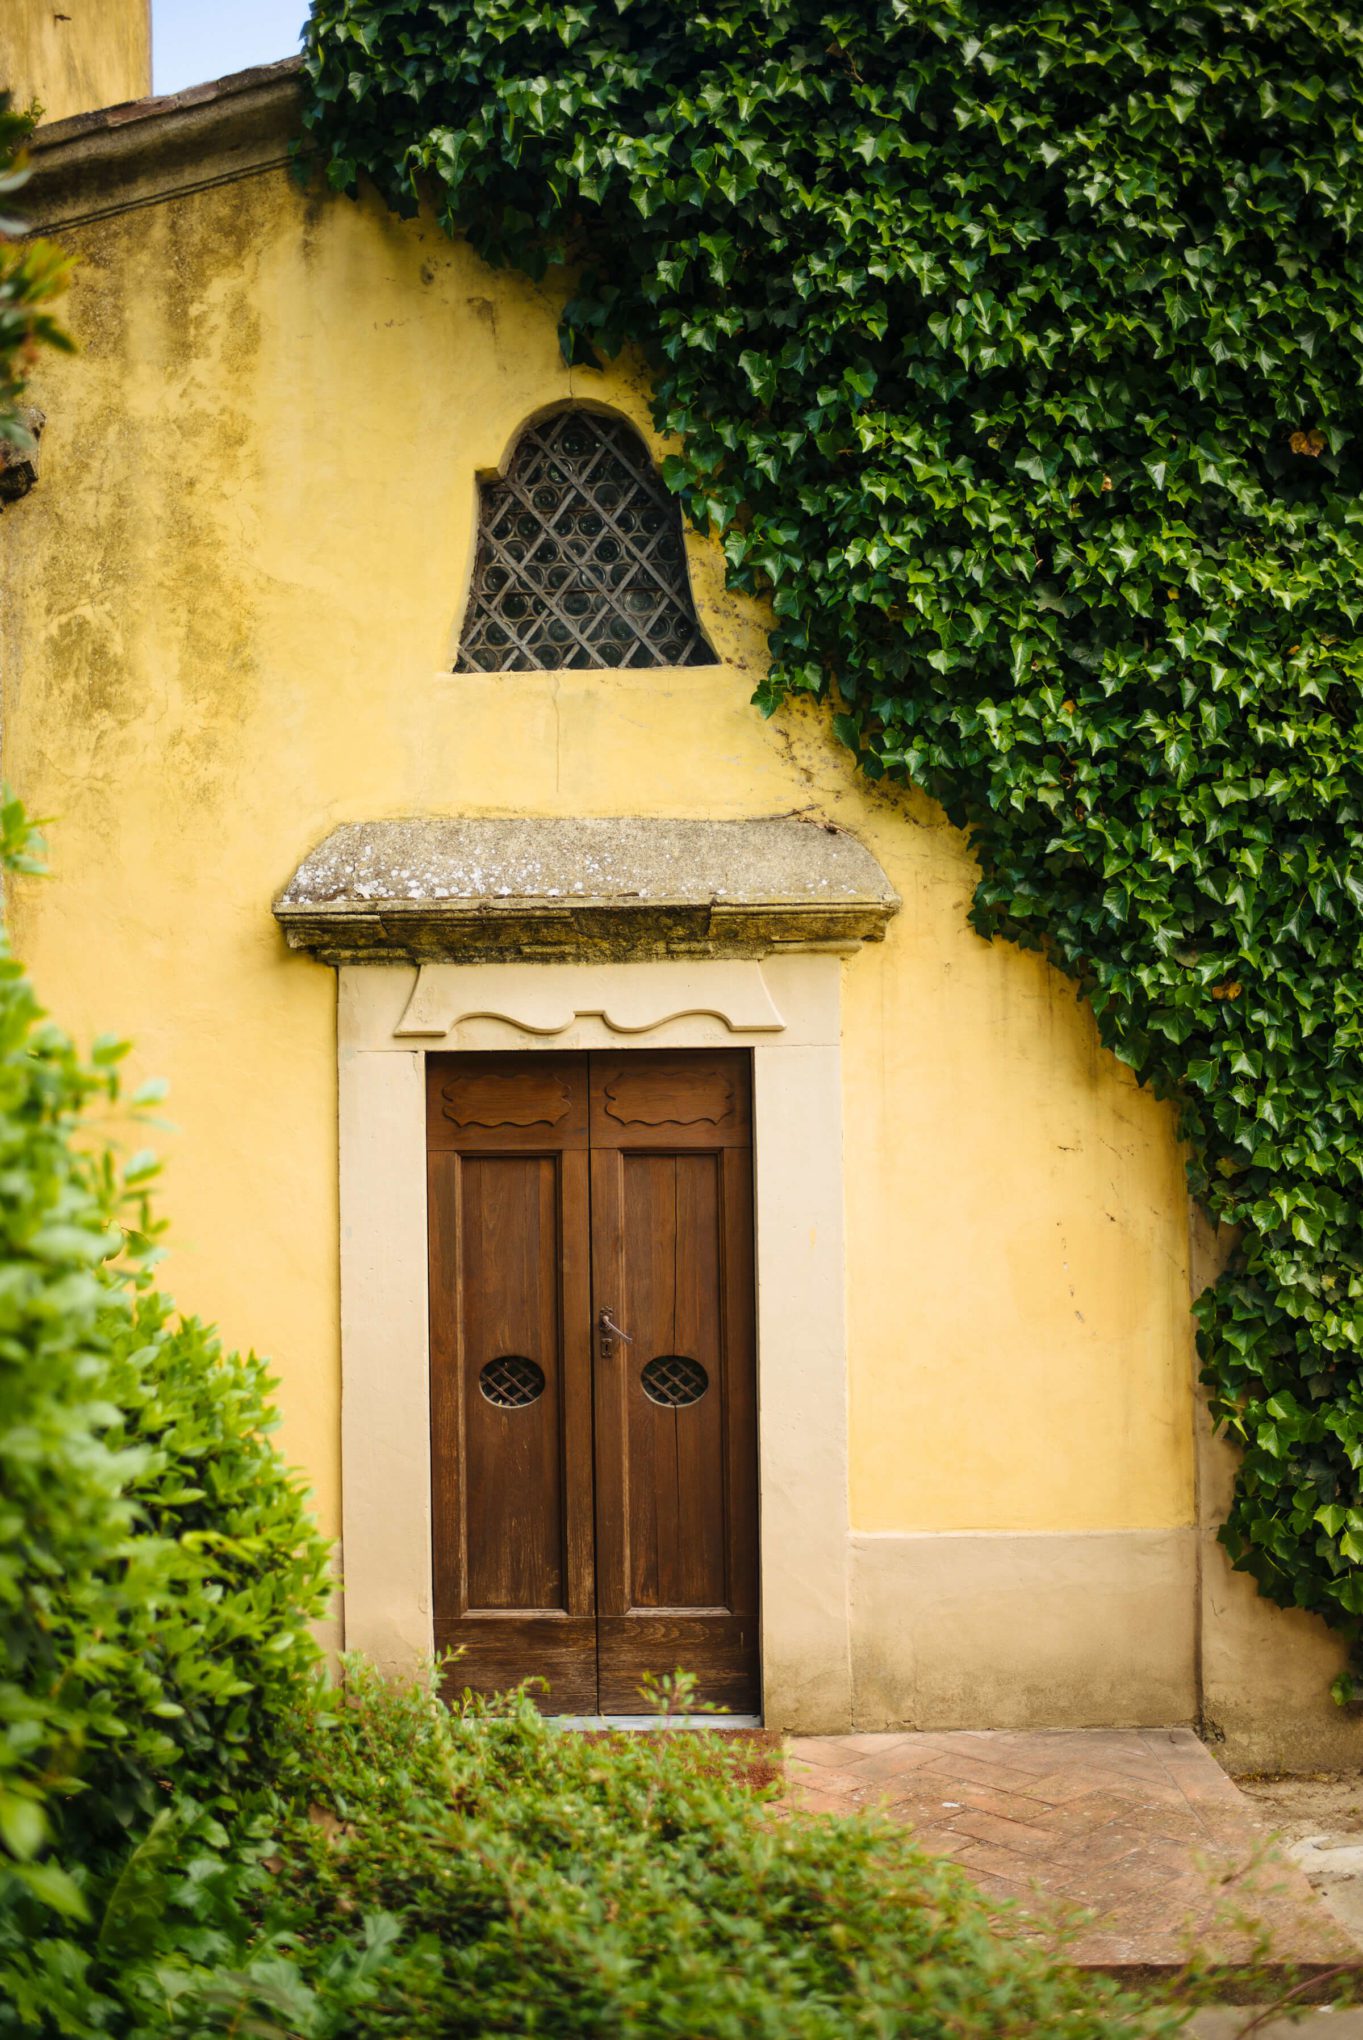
(580, 559)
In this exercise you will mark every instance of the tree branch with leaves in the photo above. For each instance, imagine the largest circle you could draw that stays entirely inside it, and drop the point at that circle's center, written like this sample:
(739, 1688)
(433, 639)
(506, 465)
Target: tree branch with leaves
(32, 274)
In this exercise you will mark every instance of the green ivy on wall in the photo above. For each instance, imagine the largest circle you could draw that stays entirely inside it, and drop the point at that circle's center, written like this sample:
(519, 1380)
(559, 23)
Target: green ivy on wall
(1016, 353)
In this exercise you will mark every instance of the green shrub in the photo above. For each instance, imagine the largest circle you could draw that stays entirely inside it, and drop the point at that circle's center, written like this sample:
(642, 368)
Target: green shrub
(158, 1568)
(462, 1874)
(428, 1874)
(220, 1645)
(31, 275)
(69, 1575)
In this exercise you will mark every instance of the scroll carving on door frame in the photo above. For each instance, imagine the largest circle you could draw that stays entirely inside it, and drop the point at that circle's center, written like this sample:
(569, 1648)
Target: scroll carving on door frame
(628, 998)
(787, 1011)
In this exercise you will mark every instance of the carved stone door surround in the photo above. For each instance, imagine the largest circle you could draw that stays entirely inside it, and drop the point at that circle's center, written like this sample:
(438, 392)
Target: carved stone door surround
(665, 935)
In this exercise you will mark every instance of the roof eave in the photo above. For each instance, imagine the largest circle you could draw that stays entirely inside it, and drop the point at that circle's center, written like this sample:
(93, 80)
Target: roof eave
(145, 151)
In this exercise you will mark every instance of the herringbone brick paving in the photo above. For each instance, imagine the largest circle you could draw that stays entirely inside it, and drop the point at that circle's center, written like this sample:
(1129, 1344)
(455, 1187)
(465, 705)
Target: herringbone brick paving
(1135, 1839)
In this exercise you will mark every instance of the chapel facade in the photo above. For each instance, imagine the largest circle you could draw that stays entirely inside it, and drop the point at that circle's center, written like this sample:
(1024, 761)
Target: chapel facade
(679, 1238)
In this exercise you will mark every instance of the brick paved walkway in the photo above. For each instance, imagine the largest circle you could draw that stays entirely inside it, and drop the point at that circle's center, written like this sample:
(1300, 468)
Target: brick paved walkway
(1135, 1837)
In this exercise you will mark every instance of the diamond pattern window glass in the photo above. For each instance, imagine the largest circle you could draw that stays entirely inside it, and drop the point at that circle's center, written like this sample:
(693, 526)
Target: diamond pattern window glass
(580, 559)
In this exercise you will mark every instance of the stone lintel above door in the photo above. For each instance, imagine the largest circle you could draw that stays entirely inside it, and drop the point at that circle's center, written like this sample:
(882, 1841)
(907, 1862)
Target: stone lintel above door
(472, 889)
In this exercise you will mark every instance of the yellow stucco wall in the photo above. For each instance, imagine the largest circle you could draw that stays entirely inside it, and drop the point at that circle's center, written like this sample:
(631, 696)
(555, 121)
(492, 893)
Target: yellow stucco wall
(231, 606)
(80, 55)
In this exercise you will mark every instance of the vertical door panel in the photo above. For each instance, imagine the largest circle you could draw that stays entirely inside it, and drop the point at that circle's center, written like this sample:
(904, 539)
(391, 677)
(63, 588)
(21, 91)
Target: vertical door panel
(670, 1209)
(511, 1373)
(513, 1420)
(676, 1405)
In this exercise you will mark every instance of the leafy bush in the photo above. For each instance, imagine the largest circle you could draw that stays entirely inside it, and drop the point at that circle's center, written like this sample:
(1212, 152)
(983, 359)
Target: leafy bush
(482, 1872)
(66, 1585)
(157, 1565)
(220, 1647)
(1016, 353)
(30, 277)
(429, 1872)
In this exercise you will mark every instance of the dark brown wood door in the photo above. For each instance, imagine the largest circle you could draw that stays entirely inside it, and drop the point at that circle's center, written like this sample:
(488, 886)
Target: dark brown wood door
(593, 1380)
(511, 1371)
(676, 1420)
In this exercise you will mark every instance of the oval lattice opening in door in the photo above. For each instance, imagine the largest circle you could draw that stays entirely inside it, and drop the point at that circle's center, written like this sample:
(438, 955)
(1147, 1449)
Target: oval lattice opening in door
(673, 1381)
(512, 1381)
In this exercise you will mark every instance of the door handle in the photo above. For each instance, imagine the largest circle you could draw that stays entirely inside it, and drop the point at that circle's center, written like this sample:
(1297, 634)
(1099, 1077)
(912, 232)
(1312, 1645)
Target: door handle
(608, 1331)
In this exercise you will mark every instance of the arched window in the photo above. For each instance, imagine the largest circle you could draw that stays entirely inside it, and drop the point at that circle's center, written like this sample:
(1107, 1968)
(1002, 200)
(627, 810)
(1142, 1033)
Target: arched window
(580, 559)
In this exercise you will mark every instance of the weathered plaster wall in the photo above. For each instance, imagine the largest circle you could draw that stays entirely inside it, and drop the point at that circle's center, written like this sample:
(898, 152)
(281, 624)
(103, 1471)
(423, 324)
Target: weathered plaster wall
(82, 54)
(230, 614)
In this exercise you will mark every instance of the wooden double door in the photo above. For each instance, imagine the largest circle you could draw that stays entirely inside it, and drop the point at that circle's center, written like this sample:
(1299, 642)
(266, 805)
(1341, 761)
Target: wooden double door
(593, 1379)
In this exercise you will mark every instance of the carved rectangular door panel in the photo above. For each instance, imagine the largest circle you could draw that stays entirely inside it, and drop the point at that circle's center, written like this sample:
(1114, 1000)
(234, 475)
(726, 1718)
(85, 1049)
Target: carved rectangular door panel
(511, 1427)
(595, 1489)
(676, 1430)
